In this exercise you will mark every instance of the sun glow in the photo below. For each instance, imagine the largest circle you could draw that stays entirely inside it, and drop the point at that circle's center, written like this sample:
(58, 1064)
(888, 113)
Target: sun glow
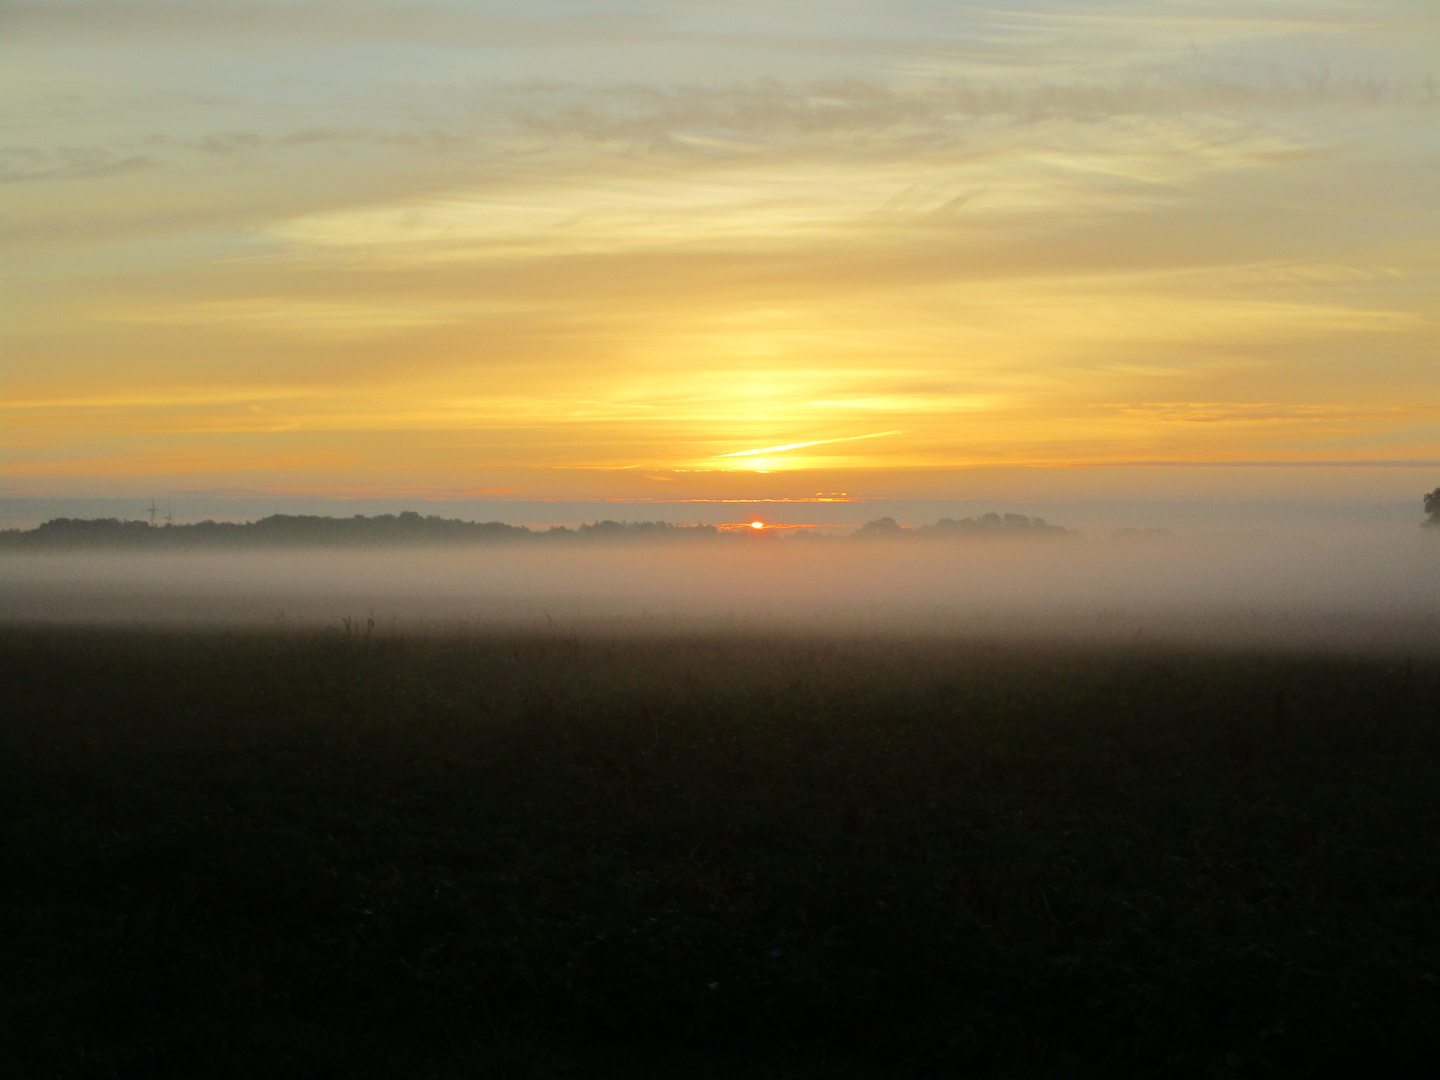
(801, 231)
(757, 524)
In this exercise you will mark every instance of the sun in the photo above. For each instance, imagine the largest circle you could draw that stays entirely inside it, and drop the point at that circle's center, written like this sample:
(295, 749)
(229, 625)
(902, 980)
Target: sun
(757, 524)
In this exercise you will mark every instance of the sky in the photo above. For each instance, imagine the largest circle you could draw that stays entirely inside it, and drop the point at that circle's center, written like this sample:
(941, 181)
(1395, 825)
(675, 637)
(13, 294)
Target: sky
(709, 250)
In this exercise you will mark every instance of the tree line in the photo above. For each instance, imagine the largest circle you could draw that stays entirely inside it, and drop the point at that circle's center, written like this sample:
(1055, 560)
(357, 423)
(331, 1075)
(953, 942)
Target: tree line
(411, 528)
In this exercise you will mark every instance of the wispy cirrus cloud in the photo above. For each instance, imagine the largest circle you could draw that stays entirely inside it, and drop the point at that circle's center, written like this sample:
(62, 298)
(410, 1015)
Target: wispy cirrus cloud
(640, 235)
(19, 165)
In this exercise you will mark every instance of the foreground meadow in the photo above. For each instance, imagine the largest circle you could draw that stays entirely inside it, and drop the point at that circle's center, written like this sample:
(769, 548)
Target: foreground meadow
(238, 854)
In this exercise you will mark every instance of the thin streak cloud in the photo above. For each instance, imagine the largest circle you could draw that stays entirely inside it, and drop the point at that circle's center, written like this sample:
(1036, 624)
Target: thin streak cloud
(798, 445)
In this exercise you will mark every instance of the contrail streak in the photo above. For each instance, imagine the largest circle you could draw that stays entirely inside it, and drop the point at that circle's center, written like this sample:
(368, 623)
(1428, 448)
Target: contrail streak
(798, 445)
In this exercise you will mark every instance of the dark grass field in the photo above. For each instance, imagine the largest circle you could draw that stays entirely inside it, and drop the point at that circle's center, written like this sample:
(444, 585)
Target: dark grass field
(311, 855)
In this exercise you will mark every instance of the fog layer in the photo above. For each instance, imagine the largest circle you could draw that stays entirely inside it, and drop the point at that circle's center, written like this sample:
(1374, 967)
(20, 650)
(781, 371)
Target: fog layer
(1343, 586)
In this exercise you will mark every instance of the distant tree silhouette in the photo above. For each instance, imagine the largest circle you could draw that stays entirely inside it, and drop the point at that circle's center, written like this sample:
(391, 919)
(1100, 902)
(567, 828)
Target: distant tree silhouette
(880, 528)
(1432, 507)
(285, 530)
(992, 524)
(412, 529)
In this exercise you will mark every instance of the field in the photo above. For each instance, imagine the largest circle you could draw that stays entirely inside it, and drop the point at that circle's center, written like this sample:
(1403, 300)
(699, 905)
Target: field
(247, 854)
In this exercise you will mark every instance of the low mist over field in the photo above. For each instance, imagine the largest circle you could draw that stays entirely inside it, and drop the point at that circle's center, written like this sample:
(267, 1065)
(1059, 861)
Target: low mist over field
(1351, 585)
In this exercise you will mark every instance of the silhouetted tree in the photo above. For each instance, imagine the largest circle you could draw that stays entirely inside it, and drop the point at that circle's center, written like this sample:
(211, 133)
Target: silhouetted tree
(282, 530)
(1432, 507)
(879, 529)
(993, 524)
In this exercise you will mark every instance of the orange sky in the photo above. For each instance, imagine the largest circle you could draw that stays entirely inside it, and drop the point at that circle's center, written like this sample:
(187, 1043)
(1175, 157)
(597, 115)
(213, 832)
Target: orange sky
(718, 249)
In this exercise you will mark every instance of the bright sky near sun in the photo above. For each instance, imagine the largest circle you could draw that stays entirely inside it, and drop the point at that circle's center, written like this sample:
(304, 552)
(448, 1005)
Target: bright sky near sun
(626, 248)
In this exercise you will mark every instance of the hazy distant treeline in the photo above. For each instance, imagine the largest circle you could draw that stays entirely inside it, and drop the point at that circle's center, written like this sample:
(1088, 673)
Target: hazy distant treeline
(984, 525)
(284, 530)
